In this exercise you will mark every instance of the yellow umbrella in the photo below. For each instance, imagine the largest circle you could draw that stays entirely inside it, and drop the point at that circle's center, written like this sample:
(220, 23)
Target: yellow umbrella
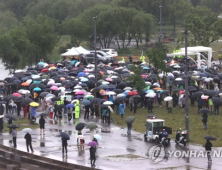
(34, 104)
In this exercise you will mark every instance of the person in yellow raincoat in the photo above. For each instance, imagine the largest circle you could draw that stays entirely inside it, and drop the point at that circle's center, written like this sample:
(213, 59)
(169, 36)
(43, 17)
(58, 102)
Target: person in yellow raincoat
(77, 109)
(142, 58)
(123, 59)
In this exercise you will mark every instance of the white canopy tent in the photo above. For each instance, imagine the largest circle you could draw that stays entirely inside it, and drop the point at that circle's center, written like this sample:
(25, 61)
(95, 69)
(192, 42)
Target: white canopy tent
(75, 51)
(71, 52)
(199, 49)
(198, 62)
(82, 50)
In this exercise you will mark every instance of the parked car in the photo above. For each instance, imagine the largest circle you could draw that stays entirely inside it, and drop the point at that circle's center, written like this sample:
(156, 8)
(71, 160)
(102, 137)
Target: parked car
(105, 55)
(91, 59)
(111, 52)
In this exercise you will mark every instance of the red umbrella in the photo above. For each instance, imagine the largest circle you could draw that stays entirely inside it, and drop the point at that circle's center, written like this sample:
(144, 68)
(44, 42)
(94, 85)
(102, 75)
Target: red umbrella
(132, 93)
(16, 94)
(182, 92)
(44, 70)
(51, 65)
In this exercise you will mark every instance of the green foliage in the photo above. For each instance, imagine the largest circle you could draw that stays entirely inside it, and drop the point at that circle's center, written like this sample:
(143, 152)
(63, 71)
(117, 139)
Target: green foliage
(136, 80)
(42, 35)
(203, 25)
(157, 55)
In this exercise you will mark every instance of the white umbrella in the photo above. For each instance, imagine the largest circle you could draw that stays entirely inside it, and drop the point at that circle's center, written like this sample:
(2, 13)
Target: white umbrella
(168, 98)
(75, 100)
(121, 95)
(19, 71)
(160, 75)
(81, 137)
(29, 81)
(105, 82)
(128, 88)
(148, 83)
(27, 130)
(208, 79)
(1, 116)
(78, 87)
(62, 88)
(108, 103)
(111, 93)
(22, 91)
(178, 79)
(35, 76)
(151, 95)
(90, 75)
(176, 66)
(204, 97)
(156, 84)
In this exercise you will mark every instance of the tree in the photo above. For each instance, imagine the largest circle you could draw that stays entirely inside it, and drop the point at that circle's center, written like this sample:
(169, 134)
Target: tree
(136, 80)
(195, 3)
(15, 49)
(176, 10)
(204, 25)
(77, 29)
(157, 55)
(42, 35)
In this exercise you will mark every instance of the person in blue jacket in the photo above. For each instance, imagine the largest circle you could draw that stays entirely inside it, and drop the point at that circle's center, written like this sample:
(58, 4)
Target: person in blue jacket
(121, 109)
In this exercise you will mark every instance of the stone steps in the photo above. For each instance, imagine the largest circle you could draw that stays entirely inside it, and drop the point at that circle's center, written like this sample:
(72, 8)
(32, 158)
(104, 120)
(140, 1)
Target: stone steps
(24, 160)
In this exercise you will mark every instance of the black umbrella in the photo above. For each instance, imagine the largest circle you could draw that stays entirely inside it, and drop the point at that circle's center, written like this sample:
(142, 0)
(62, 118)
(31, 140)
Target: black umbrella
(55, 99)
(197, 94)
(165, 92)
(19, 99)
(10, 117)
(103, 106)
(217, 101)
(80, 126)
(95, 100)
(13, 126)
(210, 138)
(204, 110)
(118, 91)
(175, 90)
(96, 89)
(43, 114)
(64, 135)
(3, 102)
(43, 94)
(211, 93)
(12, 97)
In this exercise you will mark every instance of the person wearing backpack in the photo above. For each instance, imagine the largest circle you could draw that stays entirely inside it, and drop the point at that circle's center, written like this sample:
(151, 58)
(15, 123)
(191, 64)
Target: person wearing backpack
(104, 115)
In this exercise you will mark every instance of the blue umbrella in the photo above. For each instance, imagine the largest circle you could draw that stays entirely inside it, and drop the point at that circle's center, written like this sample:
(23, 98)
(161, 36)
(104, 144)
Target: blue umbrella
(125, 93)
(38, 82)
(149, 91)
(84, 80)
(81, 74)
(41, 63)
(86, 102)
(37, 89)
(70, 105)
(146, 68)
(79, 96)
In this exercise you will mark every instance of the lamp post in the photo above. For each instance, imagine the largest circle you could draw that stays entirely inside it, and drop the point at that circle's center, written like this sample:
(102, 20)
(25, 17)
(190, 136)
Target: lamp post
(160, 22)
(95, 55)
(186, 88)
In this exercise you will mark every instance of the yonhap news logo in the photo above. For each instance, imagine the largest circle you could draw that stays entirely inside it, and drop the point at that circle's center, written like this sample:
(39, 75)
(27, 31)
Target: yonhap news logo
(157, 153)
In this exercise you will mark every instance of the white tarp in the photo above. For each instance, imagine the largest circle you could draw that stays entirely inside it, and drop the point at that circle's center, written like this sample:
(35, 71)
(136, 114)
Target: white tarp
(71, 52)
(75, 51)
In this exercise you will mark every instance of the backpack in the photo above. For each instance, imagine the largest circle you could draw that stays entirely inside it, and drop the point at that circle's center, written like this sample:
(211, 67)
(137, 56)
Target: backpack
(104, 112)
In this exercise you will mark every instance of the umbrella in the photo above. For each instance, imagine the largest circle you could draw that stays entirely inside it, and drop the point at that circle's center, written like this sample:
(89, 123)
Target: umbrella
(37, 89)
(10, 117)
(16, 94)
(55, 99)
(210, 138)
(103, 106)
(127, 88)
(86, 102)
(70, 105)
(27, 130)
(19, 99)
(91, 125)
(204, 110)
(197, 94)
(54, 88)
(81, 137)
(64, 135)
(98, 137)
(13, 126)
(108, 103)
(168, 98)
(80, 126)
(132, 93)
(26, 101)
(151, 95)
(43, 114)
(130, 120)
(92, 143)
(44, 94)
(34, 104)
(3, 102)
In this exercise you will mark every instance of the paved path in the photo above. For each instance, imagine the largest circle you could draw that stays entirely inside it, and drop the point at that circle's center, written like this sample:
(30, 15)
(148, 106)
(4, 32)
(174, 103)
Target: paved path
(116, 150)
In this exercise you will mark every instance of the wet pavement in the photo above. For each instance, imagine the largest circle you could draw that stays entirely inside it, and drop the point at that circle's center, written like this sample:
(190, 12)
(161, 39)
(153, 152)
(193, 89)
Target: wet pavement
(116, 150)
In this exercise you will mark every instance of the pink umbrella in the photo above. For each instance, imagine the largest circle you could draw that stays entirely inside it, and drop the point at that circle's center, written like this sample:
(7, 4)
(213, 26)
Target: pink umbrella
(16, 94)
(144, 76)
(79, 92)
(109, 79)
(54, 88)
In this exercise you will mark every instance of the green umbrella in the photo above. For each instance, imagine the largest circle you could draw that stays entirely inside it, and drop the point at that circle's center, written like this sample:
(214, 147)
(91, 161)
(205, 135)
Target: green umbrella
(130, 119)
(44, 76)
(91, 125)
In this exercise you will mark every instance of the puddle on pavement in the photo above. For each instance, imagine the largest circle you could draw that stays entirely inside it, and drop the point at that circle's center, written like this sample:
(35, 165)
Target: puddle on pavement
(126, 157)
(185, 167)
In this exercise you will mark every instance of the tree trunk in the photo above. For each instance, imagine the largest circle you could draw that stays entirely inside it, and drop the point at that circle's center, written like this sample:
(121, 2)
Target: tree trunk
(174, 25)
(117, 43)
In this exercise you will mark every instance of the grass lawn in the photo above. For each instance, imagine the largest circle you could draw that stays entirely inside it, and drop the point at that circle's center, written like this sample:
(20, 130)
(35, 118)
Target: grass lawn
(23, 123)
(176, 120)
